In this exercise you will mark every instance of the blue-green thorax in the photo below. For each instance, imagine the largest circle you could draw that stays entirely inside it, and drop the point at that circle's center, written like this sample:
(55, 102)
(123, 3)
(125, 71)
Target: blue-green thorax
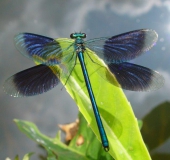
(79, 42)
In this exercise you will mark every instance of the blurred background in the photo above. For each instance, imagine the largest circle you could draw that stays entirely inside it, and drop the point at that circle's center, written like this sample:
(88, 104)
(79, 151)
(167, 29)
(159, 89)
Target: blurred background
(57, 18)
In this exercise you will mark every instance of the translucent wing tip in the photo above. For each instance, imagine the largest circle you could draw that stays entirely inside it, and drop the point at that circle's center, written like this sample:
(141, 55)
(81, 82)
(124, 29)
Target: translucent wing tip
(151, 37)
(18, 39)
(157, 81)
(10, 88)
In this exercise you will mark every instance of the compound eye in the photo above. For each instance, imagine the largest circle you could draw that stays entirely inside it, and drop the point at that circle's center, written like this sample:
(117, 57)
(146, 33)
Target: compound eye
(72, 35)
(84, 35)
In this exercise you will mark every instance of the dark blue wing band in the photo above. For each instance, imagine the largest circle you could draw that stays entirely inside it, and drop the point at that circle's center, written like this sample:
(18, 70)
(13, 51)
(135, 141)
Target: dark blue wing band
(128, 45)
(38, 47)
(136, 78)
(32, 81)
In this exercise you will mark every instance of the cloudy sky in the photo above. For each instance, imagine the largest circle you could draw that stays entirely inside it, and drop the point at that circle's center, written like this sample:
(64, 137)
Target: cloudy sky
(58, 18)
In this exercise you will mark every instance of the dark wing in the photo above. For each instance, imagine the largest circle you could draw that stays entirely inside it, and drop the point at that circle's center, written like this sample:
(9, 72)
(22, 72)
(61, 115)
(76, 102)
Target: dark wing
(42, 49)
(123, 47)
(32, 81)
(136, 78)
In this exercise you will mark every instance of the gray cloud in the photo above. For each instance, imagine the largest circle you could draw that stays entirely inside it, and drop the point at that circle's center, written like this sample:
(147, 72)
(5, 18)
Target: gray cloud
(131, 7)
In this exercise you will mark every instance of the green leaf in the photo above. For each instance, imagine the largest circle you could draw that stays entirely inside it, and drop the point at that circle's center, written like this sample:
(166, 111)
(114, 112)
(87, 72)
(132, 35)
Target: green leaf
(117, 116)
(86, 142)
(156, 126)
(27, 156)
(54, 147)
(58, 136)
(16, 157)
(140, 124)
(89, 149)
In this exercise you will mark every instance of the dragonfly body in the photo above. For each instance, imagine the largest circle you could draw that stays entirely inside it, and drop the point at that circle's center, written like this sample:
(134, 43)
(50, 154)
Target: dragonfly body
(79, 48)
(115, 51)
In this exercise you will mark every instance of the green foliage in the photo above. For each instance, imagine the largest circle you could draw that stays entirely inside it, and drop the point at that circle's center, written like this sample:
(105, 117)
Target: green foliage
(90, 148)
(26, 157)
(54, 147)
(156, 129)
